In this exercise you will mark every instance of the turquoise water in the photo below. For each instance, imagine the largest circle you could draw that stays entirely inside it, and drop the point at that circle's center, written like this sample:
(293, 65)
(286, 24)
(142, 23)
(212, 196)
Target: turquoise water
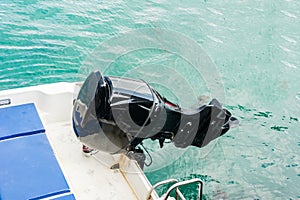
(254, 47)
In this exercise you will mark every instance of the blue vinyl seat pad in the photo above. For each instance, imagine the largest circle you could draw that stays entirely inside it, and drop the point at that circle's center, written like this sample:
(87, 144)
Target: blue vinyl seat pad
(28, 166)
(29, 169)
(19, 120)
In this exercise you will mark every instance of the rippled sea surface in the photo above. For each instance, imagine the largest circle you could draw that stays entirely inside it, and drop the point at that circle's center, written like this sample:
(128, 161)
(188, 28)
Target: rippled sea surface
(254, 47)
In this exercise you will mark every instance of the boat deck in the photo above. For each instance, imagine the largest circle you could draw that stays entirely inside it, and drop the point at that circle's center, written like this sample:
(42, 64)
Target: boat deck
(87, 177)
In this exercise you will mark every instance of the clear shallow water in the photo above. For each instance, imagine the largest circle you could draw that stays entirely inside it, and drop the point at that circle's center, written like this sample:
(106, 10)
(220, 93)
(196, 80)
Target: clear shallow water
(255, 48)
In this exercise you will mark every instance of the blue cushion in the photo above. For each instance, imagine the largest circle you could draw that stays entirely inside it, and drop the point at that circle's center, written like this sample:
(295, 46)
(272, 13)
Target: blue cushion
(29, 169)
(19, 120)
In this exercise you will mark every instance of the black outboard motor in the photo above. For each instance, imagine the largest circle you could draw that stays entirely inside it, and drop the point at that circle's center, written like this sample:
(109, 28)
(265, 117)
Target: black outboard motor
(115, 115)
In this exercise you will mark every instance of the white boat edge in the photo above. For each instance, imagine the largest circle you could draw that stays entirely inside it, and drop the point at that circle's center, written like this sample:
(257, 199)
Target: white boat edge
(88, 177)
